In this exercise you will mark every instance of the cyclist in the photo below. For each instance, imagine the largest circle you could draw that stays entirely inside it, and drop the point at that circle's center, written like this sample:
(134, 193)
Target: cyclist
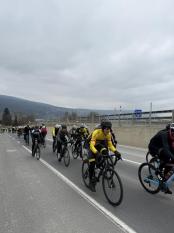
(162, 145)
(72, 132)
(43, 133)
(62, 137)
(35, 134)
(100, 139)
(26, 133)
(55, 132)
(113, 137)
(82, 133)
(19, 131)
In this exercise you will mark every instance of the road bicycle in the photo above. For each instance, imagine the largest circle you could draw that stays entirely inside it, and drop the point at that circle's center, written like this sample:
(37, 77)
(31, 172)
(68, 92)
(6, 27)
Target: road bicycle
(80, 150)
(152, 178)
(36, 150)
(111, 182)
(54, 145)
(64, 153)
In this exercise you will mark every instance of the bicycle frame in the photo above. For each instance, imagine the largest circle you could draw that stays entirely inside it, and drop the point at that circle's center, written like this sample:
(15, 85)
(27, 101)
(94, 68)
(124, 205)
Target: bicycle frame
(105, 164)
(167, 183)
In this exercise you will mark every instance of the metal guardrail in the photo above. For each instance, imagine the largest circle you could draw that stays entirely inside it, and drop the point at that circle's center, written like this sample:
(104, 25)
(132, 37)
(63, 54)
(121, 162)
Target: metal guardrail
(147, 118)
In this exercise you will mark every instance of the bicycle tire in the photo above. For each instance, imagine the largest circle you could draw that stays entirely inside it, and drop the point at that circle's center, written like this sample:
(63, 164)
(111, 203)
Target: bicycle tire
(66, 157)
(85, 172)
(38, 152)
(54, 146)
(151, 173)
(74, 152)
(33, 152)
(155, 162)
(110, 184)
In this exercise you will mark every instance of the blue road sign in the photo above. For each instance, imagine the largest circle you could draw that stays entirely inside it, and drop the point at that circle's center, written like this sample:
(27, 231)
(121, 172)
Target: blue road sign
(138, 113)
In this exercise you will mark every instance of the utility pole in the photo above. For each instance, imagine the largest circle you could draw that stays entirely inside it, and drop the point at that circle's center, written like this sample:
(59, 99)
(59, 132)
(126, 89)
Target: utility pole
(150, 115)
(120, 117)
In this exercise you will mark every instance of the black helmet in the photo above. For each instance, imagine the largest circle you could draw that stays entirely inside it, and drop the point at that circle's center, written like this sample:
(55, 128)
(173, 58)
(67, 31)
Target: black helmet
(106, 124)
(64, 126)
(168, 126)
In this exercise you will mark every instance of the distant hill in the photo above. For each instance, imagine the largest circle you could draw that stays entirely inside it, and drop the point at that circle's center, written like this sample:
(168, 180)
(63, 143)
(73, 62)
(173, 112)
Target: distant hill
(41, 110)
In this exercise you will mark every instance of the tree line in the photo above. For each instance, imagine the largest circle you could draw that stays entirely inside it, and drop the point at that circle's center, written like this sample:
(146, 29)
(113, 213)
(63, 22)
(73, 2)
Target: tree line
(15, 119)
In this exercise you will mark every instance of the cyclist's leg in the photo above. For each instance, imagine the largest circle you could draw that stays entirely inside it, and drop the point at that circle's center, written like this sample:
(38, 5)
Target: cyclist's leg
(33, 145)
(92, 181)
(165, 158)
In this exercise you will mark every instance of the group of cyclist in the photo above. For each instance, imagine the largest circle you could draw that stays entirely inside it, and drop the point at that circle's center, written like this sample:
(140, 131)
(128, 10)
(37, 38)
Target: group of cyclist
(102, 140)
(36, 132)
(99, 142)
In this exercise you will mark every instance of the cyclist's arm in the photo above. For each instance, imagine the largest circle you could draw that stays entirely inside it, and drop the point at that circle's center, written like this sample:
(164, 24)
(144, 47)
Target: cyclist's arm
(166, 145)
(110, 145)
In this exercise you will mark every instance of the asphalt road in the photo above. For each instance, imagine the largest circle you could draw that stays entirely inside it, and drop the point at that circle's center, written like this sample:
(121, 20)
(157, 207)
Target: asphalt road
(35, 199)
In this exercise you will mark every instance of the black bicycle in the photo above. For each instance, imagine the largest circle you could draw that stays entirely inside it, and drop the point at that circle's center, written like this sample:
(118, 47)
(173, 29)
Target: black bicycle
(36, 149)
(80, 150)
(64, 153)
(111, 182)
(54, 145)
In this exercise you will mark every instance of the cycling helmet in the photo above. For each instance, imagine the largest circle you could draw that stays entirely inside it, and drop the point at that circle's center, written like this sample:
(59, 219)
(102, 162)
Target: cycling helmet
(57, 126)
(106, 124)
(171, 131)
(74, 127)
(82, 125)
(64, 126)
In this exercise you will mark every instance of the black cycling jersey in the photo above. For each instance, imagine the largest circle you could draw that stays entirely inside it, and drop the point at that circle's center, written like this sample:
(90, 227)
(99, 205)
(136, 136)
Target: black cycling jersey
(160, 141)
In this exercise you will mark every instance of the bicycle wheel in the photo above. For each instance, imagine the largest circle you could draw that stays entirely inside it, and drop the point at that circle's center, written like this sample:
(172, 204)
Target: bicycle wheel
(148, 176)
(79, 151)
(66, 157)
(112, 187)
(155, 162)
(85, 172)
(37, 152)
(74, 152)
(34, 151)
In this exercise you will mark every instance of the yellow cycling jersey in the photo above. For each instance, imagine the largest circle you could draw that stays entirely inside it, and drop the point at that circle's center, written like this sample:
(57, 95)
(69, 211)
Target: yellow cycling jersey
(83, 131)
(97, 136)
(53, 132)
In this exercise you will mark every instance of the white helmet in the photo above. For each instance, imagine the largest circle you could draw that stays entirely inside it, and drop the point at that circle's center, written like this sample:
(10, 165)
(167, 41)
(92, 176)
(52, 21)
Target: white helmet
(74, 127)
(57, 126)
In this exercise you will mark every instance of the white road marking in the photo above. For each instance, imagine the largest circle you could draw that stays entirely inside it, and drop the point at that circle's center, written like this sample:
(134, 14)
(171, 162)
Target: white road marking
(130, 161)
(134, 148)
(10, 150)
(116, 221)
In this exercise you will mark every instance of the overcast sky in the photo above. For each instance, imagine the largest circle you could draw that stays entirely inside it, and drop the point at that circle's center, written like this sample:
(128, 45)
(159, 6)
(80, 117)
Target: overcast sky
(99, 54)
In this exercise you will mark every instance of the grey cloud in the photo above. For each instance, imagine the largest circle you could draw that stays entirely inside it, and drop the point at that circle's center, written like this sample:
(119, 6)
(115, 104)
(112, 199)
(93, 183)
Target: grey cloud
(92, 53)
